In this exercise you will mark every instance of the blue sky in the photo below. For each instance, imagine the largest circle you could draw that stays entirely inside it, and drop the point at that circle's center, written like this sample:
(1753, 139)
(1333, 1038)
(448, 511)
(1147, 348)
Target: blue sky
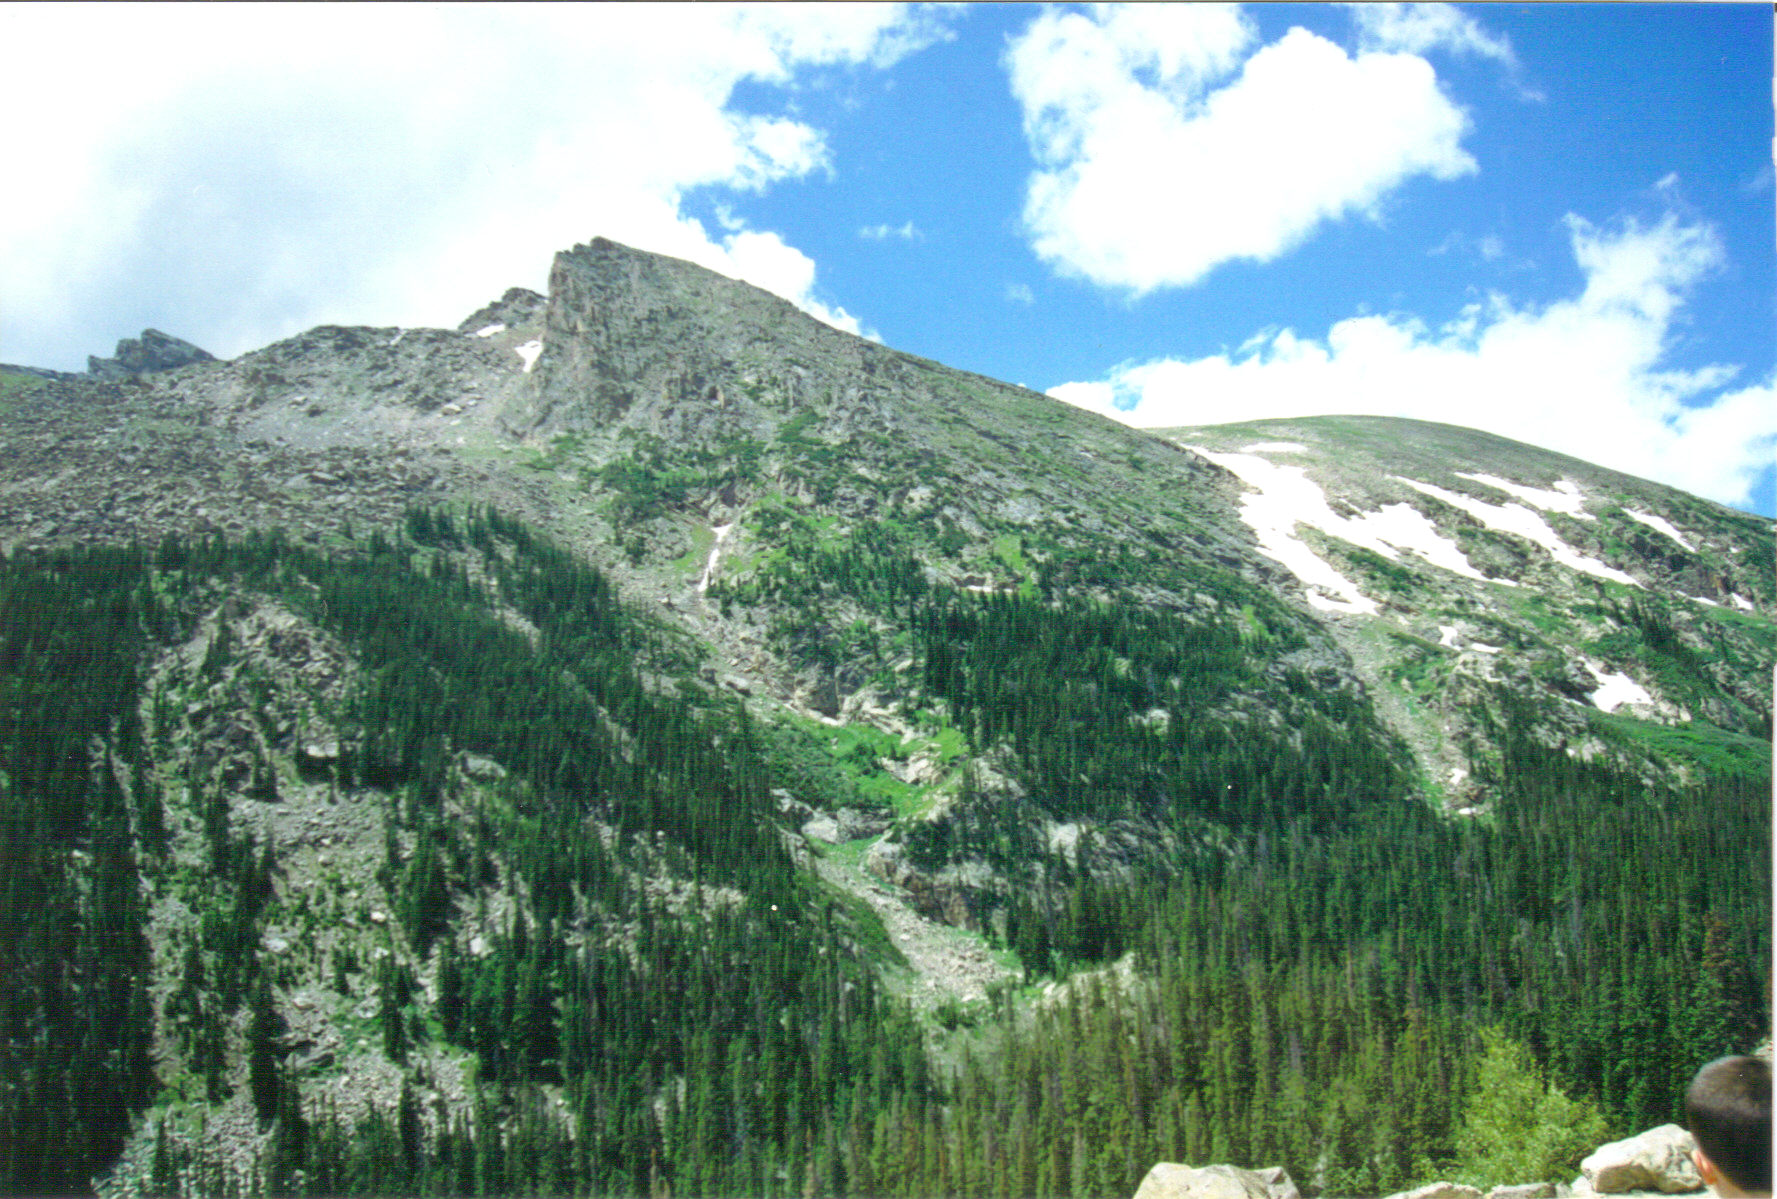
(1554, 222)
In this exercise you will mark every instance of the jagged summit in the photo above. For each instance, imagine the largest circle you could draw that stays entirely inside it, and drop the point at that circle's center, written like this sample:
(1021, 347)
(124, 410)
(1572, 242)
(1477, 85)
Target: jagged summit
(631, 332)
(519, 307)
(152, 352)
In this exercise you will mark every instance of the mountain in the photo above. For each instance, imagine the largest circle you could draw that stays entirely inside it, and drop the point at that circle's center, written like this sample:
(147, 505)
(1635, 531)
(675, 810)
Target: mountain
(1478, 560)
(647, 739)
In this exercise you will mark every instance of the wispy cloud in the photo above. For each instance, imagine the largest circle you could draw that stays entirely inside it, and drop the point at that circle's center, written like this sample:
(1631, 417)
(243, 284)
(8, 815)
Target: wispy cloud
(1489, 247)
(1586, 375)
(1428, 28)
(905, 232)
(1419, 28)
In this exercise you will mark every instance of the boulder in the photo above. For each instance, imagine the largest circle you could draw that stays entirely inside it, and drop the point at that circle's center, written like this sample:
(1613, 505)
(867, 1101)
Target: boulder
(859, 822)
(1278, 1182)
(1656, 1160)
(822, 828)
(482, 770)
(1440, 1190)
(1170, 1180)
(1527, 1190)
(1581, 1189)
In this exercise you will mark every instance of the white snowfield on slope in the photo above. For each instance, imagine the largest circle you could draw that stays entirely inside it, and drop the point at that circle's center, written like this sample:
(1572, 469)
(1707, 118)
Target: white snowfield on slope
(1660, 525)
(1516, 518)
(1282, 498)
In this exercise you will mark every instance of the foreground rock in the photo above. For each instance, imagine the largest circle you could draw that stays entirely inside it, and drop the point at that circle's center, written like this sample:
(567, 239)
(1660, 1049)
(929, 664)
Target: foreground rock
(1656, 1160)
(1170, 1180)
(1440, 1190)
(1527, 1190)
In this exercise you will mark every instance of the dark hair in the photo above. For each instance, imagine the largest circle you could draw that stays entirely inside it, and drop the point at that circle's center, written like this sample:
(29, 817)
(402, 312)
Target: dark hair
(1729, 1109)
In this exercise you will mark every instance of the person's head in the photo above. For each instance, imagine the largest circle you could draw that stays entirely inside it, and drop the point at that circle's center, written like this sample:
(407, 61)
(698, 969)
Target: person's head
(1728, 1106)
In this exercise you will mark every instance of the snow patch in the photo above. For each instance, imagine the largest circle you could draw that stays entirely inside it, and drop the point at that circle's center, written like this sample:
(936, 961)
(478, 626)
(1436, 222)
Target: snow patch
(1285, 497)
(709, 568)
(1450, 638)
(1519, 520)
(1616, 689)
(1659, 524)
(1457, 774)
(1565, 497)
(399, 334)
(1742, 603)
(1405, 527)
(529, 352)
(490, 330)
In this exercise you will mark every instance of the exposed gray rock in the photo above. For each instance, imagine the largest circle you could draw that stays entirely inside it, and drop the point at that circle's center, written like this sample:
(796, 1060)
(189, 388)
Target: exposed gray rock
(1278, 1182)
(822, 828)
(1440, 1190)
(1528, 1190)
(38, 372)
(151, 352)
(1579, 1188)
(519, 307)
(1658, 1159)
(859, 822)
(481, 769)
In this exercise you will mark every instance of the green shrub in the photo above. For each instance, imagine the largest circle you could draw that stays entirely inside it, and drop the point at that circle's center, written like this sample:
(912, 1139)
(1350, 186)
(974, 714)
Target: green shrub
(1517, 1127)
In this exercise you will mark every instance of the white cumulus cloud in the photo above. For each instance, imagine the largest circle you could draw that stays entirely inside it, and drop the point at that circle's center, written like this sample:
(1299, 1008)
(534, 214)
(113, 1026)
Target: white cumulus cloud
(1585, 375)
(234, 173)
(1164, 149)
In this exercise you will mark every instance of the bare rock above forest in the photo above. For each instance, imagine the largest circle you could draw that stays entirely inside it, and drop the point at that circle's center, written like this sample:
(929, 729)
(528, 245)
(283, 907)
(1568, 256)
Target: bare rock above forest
(152, 352)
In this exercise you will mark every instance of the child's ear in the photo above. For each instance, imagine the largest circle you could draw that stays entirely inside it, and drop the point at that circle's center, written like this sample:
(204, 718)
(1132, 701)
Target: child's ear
(1705, 1167)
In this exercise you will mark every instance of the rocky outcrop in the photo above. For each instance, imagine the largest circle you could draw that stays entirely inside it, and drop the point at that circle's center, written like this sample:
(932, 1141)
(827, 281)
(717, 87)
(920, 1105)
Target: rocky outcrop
(1457, 1190)
(518, 307)
(1440, 1190)
(1528, 1190)
(38, 372)
(1170, 1180)
(1278, 1182)
(1654, 1163)
(1656, 1160)
(153, 351)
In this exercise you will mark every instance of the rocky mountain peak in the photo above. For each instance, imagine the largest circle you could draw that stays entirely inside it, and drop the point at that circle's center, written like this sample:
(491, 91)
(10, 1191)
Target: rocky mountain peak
(518, 308)
(630, 336)
(152, 352)
(653, 623)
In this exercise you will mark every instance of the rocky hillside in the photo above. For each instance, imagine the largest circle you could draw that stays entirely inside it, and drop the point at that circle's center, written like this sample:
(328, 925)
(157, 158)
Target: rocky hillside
(1451, 562)
(496, 737)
